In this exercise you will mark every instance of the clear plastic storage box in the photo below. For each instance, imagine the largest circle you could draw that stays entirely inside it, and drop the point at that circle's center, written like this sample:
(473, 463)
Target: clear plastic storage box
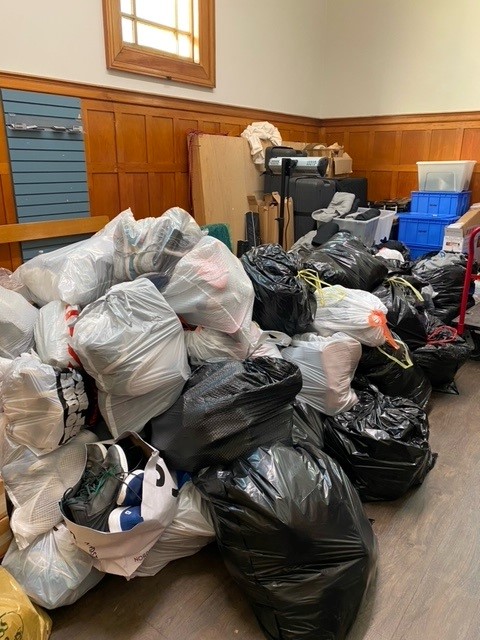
(454, 175)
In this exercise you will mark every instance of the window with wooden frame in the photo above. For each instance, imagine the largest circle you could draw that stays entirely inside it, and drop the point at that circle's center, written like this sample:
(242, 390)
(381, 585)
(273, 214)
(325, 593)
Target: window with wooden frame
(172, 39)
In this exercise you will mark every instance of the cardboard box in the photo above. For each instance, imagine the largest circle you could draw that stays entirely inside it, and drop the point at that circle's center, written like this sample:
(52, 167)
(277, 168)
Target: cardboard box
(339, 162)
(5, 536)
(456, 235)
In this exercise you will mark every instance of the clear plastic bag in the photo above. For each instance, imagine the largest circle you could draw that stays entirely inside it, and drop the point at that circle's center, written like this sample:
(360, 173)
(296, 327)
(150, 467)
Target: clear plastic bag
(131, 342)
(53, 334)
(210, 288)
(328, 366)
(36, 485)
(52, 571)
(17, 320)
(153, 244)
(19, 618)
(359, 314)
(45, 407)
(189, 532)
(76, 274)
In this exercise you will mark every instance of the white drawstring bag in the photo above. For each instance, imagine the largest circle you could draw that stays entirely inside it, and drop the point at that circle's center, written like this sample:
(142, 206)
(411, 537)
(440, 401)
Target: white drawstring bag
(208, 345)
(328, 366)
(190, 531)
(76, 274)
(153, 245)
(131, 342)
(17, 320)
(52, 571)
(53, 334)
(45, 407)
(359, 314)
(209, 288)
(36, 485)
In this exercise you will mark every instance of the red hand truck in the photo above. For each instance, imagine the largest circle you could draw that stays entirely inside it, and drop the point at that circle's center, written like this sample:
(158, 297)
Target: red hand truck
(469, 319)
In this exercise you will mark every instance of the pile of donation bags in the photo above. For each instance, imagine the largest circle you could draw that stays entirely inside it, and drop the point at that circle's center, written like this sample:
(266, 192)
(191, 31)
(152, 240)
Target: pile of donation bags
(157, 393)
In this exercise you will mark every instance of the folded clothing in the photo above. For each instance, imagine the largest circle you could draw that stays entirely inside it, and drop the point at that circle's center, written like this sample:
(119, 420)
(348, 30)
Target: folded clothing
(341, 203)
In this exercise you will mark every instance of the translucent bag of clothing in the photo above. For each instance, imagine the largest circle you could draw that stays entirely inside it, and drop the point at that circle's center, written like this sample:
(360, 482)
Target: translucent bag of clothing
(53, 334)
(45, 406)
(36, 485)
(153, 244)
(17, 321)
(209, 288)
(131, 342)
(208, 345)
(357, 313)
(52, 571)
(76, 274)
(18, 616)
(328, 366)
(190, 531)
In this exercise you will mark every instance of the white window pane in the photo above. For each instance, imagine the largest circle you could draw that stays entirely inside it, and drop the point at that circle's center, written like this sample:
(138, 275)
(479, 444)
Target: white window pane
(196, 52)
(148, 36)
(184, 17)
(184, 46)
(195, 29)
(126, 6)
(127, 30)
(160, 11)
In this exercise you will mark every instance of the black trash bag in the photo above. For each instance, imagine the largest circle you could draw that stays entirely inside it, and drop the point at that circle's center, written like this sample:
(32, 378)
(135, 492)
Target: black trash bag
(283, 302)
(381, 366)
(227, 409)
(381, 444)
(405, 311)
(442, 356)
(446, 273)
(295, 538)
(328, 269)
(364, 270)
(307, 424)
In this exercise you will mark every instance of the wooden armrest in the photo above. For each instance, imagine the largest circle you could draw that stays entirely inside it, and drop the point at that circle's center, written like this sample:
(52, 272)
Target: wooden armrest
(51, 229)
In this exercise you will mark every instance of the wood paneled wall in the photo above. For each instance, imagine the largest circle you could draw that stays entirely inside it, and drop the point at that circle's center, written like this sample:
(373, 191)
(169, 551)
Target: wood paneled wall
(385, 149)
(136, 146)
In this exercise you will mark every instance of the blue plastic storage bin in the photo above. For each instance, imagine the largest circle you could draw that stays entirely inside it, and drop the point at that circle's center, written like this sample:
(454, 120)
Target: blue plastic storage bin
(423, 232)
(444, 203)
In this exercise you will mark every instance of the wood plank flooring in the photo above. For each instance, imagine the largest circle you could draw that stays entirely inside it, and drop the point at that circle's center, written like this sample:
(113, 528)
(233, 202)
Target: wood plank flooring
(428, 584)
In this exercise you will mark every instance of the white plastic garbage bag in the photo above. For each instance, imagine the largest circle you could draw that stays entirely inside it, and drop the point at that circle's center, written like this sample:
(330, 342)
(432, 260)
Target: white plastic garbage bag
(131, 413)
(36, 485)
(76, 274)
(153, 245)
(17, 320)
(45, 407)
(132, 343)
(328, 366)
(53, 334)
(359, 314)
(210, 288)
(52, 571)
(209, 345)
(189, 532)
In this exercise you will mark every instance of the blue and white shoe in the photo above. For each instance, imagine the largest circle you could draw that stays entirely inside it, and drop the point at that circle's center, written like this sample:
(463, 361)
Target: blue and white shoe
(130, 494)
(124, 519)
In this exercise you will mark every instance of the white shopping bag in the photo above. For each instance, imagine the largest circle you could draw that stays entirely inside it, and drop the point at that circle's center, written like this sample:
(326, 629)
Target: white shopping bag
(123, 552)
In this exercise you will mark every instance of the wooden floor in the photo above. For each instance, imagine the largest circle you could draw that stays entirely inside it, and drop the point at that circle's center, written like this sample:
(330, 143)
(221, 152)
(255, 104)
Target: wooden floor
(428, 585)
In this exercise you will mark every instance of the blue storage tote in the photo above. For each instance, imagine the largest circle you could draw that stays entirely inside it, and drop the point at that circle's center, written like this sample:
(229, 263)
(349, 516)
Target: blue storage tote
(423, 229)
(444, 203)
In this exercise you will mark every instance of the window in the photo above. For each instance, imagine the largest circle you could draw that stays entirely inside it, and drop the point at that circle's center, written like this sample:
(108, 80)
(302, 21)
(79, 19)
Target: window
(173, 39)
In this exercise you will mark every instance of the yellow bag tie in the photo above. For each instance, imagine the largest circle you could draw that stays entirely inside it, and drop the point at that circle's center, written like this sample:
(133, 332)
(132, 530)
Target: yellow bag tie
(404, 283)
(408, 361)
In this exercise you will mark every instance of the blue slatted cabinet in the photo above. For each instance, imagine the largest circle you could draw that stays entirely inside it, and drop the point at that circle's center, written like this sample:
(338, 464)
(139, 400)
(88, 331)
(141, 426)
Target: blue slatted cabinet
(48, 165)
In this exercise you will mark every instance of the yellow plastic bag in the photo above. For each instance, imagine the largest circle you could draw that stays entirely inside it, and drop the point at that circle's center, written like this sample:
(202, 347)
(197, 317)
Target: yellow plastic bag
(19, 618)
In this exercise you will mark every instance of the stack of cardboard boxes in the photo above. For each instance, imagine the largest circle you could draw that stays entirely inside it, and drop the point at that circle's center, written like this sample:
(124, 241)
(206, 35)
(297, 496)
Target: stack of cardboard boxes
(457, 235)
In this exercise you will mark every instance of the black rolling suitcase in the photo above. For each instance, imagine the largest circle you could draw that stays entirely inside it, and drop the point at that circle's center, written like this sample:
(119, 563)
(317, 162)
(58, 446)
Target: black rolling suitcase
(309, 193)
